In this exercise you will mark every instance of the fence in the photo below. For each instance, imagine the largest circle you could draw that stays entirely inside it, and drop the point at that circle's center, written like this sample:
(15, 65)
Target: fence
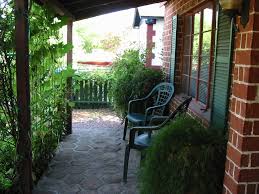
(90, 93)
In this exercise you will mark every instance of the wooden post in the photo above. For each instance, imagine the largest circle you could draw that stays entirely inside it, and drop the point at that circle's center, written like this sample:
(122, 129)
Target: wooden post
(24, 163)
(69, 80)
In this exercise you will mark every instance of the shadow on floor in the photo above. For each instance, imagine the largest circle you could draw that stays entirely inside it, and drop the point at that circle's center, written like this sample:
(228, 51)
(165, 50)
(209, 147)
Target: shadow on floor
(90, 161)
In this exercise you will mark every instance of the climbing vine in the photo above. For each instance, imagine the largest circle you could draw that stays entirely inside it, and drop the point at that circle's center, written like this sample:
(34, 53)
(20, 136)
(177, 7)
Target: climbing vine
(48, 74)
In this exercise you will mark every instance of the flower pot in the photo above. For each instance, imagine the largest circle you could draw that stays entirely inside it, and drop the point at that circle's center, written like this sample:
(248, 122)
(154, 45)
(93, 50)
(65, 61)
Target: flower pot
(231, 4)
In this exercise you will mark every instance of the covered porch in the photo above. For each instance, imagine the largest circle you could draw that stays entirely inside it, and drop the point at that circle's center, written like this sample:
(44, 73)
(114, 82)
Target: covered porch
(79, 142)
(91, 159)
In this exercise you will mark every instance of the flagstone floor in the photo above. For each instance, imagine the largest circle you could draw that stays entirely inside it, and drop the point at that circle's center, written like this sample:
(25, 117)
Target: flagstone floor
(90, 161)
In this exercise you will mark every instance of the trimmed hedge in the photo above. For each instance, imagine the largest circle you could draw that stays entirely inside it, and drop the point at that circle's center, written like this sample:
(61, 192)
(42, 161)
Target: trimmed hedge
(185, 158)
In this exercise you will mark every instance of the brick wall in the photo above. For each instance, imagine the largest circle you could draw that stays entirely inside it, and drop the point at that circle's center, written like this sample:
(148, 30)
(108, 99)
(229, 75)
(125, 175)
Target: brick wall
(172, 8)
(242, 166)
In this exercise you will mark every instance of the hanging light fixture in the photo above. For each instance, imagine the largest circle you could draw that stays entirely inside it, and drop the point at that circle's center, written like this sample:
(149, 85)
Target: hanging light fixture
(237, 7)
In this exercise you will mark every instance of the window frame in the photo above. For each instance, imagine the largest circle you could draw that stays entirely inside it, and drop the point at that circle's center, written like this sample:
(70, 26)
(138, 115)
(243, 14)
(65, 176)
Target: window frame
(191, 35)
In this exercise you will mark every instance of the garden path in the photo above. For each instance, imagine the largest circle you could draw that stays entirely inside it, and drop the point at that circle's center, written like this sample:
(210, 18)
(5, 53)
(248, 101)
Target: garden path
(90, 161)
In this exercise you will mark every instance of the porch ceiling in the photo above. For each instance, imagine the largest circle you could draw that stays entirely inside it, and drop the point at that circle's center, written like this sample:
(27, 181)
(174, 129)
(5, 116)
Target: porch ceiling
(83, 9)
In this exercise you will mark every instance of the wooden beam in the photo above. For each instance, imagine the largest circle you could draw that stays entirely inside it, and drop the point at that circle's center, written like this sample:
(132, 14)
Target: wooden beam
(58, 8)
(69, 80)
(108, 7)
(24, 161)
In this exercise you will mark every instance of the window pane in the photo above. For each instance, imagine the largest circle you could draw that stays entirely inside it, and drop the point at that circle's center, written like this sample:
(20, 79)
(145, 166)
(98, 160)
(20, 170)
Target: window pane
(204, 69)
(203, 91)
(194, 70)
(195, 47)
(187, 45)
(185, 83)
(186, 65)
(207, 19)
(193, 85)
(206, 43)
(188, 25)
(197, 21)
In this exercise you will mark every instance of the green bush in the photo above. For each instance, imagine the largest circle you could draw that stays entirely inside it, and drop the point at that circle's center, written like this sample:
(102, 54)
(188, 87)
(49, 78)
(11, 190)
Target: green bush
(184, 158)
(97, 75)
(131, 80)
(48, 91)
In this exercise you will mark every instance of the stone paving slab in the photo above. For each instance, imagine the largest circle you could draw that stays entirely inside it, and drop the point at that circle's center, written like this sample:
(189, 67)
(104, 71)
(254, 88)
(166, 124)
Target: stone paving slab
(90, 161)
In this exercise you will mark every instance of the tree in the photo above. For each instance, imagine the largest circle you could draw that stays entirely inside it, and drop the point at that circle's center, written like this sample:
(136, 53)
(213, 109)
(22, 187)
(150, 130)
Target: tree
(111, 42)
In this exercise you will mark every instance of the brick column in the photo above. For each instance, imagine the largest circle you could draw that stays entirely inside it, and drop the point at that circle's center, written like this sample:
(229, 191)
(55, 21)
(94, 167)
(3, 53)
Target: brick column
(242, 164)
(150, 44)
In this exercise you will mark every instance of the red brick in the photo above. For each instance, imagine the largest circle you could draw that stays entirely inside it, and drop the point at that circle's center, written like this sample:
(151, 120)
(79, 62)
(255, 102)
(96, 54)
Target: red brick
(248, 175)
(243, 40)
(255, 40)
(238, 41)
(248, 143)
(251, 188)
(238, 110)
(249, 40)
(231, 168)
(252, 110)
(255, 160)
(256, 5)
(240, 74)
(251, 75)
(256, 128)
(244, 91)
(234, 139)
(256, 24)
(238, 158)
(233, 105)
(227, 165)
(247, 57)
(249, 26)
(241, 126)
(232, 186)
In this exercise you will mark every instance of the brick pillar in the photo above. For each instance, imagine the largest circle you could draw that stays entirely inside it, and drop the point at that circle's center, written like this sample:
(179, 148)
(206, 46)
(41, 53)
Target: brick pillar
(150, 44)
(242, 164)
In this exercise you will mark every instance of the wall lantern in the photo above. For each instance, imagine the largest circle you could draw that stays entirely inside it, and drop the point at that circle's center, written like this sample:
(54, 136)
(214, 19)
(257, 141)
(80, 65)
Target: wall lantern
(150, 21)
(237, 7)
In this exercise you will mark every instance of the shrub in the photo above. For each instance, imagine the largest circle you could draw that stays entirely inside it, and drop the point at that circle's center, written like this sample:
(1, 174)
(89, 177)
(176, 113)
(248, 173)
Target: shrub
(184, 158)
(131, 80)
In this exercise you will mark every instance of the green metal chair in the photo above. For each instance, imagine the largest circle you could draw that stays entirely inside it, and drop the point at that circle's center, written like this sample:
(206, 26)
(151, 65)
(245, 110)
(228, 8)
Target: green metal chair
(140, 111)
(144, 140)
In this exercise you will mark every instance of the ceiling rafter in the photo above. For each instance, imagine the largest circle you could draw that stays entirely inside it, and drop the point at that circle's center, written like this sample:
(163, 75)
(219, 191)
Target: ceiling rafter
(58, 8)
(83, 9)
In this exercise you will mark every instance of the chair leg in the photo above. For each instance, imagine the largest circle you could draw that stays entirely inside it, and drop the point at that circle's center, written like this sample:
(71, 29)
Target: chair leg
(125, 128)
(126, 162)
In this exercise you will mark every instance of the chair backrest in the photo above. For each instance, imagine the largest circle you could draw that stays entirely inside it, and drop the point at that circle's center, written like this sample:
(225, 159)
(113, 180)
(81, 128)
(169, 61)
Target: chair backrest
(182, 108)
(163, 94)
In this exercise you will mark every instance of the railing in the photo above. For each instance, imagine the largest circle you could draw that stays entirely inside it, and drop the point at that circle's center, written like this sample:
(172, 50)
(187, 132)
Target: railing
(91, 94)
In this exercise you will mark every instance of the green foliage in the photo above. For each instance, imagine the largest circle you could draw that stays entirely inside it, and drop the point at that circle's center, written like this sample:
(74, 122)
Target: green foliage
(47, 85)
(89, 39)
(8, 110)
(184, 158)
(97, 75)
(110, 42)
(131, 80)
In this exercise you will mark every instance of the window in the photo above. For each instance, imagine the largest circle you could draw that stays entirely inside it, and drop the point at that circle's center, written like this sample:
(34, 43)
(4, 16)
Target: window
(198, 56)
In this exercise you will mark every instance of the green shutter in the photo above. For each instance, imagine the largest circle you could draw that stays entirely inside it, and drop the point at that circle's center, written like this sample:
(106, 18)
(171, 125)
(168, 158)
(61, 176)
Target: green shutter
(173, 49)
(222, 71)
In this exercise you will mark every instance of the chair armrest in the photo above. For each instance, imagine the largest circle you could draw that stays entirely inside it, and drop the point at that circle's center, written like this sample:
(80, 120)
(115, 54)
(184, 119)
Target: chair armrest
(133, 131)
(131, 102)
(155, 120)
(153, 107)
(150, 109)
